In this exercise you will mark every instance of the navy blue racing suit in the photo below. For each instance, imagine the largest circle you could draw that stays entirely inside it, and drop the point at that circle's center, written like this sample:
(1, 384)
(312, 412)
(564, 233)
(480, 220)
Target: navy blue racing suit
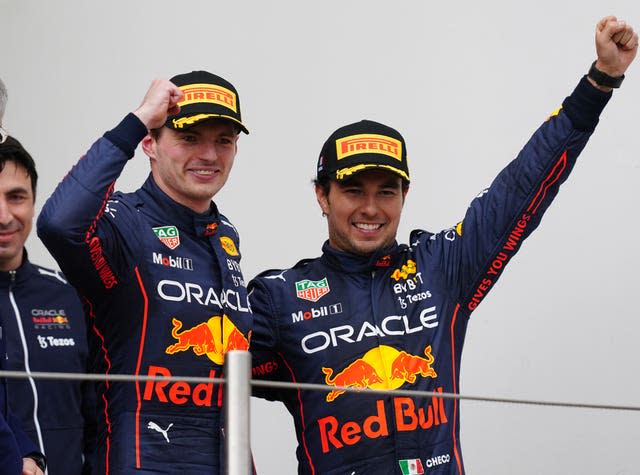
(14, 443)
(165, 297)
(397, 319)
(45, 331)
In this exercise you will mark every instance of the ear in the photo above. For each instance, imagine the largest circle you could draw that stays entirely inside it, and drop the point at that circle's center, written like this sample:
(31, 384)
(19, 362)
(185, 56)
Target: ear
(405, 190)
(323, 199)
(147, 145)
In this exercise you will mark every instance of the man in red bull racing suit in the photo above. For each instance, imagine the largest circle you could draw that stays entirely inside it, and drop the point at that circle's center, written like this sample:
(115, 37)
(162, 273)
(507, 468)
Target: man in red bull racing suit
(372, 313)
(159, 272)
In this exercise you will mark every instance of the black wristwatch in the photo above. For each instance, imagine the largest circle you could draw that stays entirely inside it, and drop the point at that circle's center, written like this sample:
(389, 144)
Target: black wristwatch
(603, 79)
(39, 459)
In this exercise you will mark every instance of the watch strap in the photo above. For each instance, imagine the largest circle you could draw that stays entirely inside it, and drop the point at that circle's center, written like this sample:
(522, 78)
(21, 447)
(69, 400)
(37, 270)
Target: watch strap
(603, 79)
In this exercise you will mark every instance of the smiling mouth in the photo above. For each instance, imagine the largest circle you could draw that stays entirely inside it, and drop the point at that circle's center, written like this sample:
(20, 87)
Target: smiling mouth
(203, 172)
(7, 236)
(367, 226)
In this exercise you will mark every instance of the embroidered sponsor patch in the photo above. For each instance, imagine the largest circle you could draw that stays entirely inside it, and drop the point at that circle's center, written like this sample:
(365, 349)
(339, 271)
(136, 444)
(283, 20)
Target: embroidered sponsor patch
(229, 246)
(312, 290)
(168, 235)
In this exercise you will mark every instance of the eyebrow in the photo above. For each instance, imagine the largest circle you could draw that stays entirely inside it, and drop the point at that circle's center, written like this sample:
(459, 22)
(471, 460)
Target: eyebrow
(17, 190)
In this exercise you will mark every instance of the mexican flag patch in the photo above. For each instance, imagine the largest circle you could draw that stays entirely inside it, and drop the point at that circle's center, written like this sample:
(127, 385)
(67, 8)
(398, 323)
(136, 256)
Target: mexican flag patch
(411, 467)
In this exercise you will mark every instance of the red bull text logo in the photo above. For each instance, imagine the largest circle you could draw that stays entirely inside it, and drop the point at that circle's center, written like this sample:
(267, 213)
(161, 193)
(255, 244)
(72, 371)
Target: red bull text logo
(168, 235)
(57, 320)
(212, 94)
(370, 371)
(312, 290)
(368, 143)
(335, 434)
(180, 393)
(213, 338)
(405, 271)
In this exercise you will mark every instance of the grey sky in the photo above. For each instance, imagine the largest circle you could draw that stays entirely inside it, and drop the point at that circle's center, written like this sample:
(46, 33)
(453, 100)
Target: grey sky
(466, 83)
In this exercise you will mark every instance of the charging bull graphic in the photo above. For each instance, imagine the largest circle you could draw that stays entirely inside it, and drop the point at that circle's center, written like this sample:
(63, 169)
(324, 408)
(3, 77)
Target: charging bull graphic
(358, 374)
(215, 338)
(370, 370)
(406, 366)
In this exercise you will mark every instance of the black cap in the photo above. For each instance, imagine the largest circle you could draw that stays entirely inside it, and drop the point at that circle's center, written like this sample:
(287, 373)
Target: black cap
(363, 145)
(206, 96)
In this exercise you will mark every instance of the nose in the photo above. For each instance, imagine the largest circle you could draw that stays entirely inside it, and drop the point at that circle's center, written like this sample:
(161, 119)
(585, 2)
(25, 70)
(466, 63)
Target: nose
(370, 204)
(208, 151)
(5, 214)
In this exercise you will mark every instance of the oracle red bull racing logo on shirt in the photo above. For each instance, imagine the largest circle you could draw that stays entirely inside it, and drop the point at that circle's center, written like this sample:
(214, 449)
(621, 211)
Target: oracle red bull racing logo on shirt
(168, 235)
(312, 290)
(382, 367)
(213, 338)
(49, 319)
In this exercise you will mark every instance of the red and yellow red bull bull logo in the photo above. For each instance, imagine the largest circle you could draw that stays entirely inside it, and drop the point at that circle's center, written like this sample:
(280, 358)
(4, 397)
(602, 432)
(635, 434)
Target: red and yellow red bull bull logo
(368, 143)
(210, 229)
(383, 367)
(213, 338)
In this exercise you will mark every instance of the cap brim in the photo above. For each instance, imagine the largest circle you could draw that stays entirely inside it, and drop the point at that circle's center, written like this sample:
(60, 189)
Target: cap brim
(186, 122)
(345, 173)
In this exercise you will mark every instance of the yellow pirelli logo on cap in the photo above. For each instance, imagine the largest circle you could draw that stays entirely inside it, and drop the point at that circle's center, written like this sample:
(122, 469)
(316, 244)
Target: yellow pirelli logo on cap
(196, 93)
(368, 143)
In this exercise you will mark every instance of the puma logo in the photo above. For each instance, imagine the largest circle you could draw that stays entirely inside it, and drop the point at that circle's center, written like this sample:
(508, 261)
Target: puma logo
(279, 276)
(156, 427)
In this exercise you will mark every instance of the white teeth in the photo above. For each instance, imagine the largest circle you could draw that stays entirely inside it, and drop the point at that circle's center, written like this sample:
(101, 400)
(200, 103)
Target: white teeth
(367, 227)
(203, 172)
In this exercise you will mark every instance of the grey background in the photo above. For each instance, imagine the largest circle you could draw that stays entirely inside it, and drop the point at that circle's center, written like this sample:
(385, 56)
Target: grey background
(466, 83)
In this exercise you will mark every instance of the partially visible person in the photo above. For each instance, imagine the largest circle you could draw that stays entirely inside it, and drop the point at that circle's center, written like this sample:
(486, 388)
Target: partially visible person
(3, 105)
(160, 271)
(17, 451)
(44, 330)
(18, 454)
(372, 313)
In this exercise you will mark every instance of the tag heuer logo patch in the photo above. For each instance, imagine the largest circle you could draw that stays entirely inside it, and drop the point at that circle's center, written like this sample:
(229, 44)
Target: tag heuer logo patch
(312, 290)
(168, 235)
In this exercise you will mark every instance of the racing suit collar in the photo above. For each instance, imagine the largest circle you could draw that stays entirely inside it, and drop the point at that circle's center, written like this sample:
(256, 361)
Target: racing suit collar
(21, 274)
(160, 204)
(348, 262)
